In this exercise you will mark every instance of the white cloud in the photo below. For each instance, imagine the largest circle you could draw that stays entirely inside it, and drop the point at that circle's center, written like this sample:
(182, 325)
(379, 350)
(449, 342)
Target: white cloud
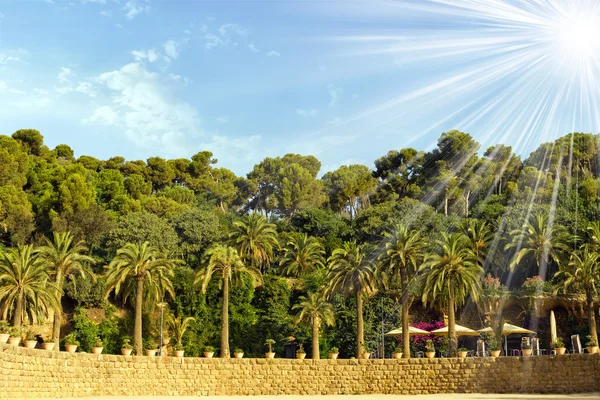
(171, 49)
(63, 89)
(333, 122)
(306, 113)
(223, 119)
(253, 48)
(34, 102)
(225, 29)
(224, 37)
(4, 59)
(334, 94)
(105, 13)
(212, 41)
(40, 91)
(3, 85)
(135, 7)
(85, 88)
(150, 55)
(105, 115)
(273, 53)
(238, 154)
(65, 75)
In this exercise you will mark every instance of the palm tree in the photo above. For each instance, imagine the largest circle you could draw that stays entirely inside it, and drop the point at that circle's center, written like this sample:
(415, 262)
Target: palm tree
(302, 255)
(226, 262)
(137, 267)
(350, 273)
(593, 230)
(583, 272)
(454, 274)
(25, 288)
(64, 260)
(255, 238)
(403, 255)
(479, 234)
(178, 326)
(544, 241)
(314, 309)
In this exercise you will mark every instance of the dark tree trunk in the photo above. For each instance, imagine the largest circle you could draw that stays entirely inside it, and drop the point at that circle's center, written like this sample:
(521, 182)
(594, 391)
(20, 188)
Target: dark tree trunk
(18, 314)
(591, 315)
(225, 319)
(452, 342)
(139, 299)
(405, 305)
(360, 329)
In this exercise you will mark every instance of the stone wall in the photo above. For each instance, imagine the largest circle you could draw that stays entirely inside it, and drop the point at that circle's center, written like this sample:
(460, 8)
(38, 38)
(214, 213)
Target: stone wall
(39, 373)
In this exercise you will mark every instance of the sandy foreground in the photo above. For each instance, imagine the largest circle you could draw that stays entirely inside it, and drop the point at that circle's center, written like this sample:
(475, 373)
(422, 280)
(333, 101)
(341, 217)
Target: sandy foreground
(459, 396)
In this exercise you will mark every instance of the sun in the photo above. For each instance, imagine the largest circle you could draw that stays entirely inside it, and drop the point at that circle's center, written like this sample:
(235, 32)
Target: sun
(577, 37)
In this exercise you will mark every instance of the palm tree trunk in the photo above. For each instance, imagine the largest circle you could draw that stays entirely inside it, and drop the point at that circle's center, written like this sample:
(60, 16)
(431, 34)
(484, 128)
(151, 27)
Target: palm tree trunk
(452, 342)
(360, 329)
(139, 298)
(405, 332)
(225, 319)
(591, 315)
(18, 314)
(57, 315)
(315, 339)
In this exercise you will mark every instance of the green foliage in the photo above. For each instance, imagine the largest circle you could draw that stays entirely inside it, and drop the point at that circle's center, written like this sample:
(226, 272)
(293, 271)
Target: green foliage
(139, 228)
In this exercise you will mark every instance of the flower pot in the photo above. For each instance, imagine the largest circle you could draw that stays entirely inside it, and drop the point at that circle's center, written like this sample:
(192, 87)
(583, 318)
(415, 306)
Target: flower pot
(365, 356)
(560, 351)
(49, 346)
(462, 354)
(333, 356)
(495, 353)
(526, 352)
(592, 349)
(30, 344)
(397, 356)
(14, 341)
(97, 350)
(270, 354)
(151, 353)
(209, 354)
(430, 354)
(4, 337)
(300, 356)
(71, 348)
(238, 354)
(126, 352)
(179, 353)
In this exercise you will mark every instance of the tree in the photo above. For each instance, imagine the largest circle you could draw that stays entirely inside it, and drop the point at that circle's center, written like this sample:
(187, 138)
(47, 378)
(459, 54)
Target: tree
(64, 258)
(24, 286)
(479, 237)
(255, 238)
(143, 227)
(178, 326)
(226, 263)
(315, 310)
(303, 254)
(349, 188)
(351, 273)
(31, 140)
(137, 267)
(453, 274)
(404, 253)
(583, 273)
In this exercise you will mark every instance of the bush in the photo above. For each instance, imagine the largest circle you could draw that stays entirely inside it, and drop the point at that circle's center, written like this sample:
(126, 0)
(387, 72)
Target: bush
(209, 349)
(557, 344)
(71, 340)
(334, 350)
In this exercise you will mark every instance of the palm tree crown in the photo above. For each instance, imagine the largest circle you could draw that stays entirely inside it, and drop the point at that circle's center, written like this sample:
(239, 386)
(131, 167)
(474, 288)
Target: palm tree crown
(302, 255)
(315, 310)
(255, 238)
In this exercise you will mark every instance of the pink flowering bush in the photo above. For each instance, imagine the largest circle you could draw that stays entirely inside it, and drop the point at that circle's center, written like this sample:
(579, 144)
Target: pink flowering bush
(533, 285)
(418, 342)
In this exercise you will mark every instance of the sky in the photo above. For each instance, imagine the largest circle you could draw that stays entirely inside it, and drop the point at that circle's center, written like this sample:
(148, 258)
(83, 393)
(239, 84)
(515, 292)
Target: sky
(345, 81)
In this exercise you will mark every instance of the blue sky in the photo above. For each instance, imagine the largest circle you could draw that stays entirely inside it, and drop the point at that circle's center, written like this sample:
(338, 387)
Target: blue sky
(345, 81)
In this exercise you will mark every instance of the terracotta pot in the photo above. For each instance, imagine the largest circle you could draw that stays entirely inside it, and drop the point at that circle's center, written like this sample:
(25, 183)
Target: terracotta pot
(71, 348)
(270, 354)
(495, 353)
(430, 354)
(238, 355)
(560, 351)
(97, 350)
(462, 354)
(300, 356)
(4, 337)
(30, 344)
(179, 353)
(151, 353)
(526, 352)
(14, 341)
(592, 349)
(126, 352)
(365, 356)
(333, 356)
(49, 346)
(209, 354)
(397, 356)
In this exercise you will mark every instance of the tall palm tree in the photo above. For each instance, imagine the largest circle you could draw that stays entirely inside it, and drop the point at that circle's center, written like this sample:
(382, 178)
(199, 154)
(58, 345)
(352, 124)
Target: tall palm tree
(25, 286)
(351, 273)
(404, 253)
(64, 258)
(314, 309)
(544, 241)
(178, 326)
(302, 255)
(583, 273)
(479, 237)
(225, 262)
(255, 238)
(137, 267)
(454, 274)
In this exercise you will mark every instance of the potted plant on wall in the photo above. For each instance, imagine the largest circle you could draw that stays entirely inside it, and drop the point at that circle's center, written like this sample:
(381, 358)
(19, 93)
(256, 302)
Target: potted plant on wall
(4, 331)
(15, 336)
(71, 343)
(98, 346)
(126, 347)
(300, 353)
(493, 347)
(270, 353)
(462, 352)
(30, 340)
(366, 353)
(151, 347)
(179, 350)
(558, 346)
(238, 353)
(526, 350)
(591, 345)
(429, 349)
(334, 352)
(209, 351)
(397, 354)
(48, 344)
